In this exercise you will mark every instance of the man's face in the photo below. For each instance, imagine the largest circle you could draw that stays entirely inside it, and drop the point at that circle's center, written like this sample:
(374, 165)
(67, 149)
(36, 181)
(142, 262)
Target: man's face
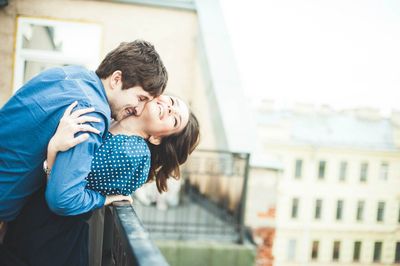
(128, 102)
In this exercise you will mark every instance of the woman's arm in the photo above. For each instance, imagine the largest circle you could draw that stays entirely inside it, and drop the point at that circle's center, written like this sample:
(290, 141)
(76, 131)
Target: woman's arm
(70, 124)
(64, 139)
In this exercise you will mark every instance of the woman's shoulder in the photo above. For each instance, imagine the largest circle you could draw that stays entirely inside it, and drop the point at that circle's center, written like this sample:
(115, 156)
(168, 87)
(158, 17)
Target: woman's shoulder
(127, 144)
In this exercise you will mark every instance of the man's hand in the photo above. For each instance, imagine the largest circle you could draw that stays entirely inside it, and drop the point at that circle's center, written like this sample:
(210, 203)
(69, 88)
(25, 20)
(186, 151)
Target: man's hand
(112, 198)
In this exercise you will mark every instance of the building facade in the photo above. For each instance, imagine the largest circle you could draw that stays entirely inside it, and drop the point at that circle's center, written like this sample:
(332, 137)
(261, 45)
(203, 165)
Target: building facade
(338, 198)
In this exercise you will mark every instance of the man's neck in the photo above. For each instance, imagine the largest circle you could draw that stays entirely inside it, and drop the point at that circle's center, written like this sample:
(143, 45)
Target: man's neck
(107, 89)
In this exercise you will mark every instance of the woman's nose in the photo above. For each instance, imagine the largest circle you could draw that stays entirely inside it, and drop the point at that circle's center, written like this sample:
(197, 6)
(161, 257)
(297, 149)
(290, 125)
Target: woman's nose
(171, 109)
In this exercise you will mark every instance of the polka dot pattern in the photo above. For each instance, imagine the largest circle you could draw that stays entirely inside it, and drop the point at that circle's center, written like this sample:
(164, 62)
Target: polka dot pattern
(120, 166)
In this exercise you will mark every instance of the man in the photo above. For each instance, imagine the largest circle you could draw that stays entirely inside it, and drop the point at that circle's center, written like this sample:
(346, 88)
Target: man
(127, 78)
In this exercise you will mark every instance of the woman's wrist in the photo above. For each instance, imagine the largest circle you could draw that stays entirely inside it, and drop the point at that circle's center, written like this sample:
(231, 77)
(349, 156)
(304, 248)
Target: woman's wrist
(52, 147)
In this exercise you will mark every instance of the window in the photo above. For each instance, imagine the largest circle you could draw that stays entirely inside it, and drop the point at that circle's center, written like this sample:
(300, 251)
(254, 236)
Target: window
(314, 250)
(343, 171)
(377, 251)
(339, 210)
(298, 168)
(291, 250)
(318, 209)
(360, 210)
(397, 253)
(336, 250)
(363, 172)
(321, 170)
(380, 212)
(384, 171)
(357, 251)
(295, 207)
(44, 43)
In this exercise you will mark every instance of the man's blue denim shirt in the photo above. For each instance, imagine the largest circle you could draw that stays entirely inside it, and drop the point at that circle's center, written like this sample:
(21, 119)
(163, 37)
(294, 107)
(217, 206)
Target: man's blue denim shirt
(27, 123)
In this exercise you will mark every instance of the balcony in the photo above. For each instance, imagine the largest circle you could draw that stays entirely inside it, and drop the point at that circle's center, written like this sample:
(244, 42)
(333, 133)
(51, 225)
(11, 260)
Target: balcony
(206, 222)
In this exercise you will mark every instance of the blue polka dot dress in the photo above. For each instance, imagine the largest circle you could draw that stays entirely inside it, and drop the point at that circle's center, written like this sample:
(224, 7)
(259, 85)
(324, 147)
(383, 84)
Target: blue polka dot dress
(120, 166)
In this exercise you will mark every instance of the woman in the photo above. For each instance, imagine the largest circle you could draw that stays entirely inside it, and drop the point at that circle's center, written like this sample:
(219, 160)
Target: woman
(136, 150)
(170, 130)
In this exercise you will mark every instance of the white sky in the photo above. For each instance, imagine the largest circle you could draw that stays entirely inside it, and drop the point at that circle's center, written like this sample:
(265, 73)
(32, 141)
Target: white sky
(345, 53)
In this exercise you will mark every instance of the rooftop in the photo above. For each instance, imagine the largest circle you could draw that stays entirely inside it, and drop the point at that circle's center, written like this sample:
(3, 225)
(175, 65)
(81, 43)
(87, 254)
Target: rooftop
(335, 129)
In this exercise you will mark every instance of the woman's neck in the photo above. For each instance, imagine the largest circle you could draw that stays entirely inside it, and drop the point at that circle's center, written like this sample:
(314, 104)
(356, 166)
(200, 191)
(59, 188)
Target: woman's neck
(122, 127)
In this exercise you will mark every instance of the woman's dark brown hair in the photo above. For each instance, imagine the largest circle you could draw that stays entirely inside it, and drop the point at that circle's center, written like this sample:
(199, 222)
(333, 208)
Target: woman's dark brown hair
(140, 65)
(172, 152)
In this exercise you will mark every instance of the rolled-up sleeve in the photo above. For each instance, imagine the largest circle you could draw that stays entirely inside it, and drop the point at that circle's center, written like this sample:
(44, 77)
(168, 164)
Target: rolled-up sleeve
(65, 192)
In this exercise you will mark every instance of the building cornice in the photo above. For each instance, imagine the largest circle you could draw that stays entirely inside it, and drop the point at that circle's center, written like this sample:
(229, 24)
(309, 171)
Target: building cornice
(175, 4)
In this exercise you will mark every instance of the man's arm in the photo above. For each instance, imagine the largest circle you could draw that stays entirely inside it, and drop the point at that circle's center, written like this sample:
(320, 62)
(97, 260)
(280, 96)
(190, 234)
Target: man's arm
(65, 191)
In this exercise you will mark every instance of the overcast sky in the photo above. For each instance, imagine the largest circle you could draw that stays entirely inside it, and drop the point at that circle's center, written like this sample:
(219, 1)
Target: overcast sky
(345, 53)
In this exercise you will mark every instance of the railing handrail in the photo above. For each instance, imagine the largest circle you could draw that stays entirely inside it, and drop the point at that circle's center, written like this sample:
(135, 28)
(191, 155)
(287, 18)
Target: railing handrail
(142, 249)
(117, 238)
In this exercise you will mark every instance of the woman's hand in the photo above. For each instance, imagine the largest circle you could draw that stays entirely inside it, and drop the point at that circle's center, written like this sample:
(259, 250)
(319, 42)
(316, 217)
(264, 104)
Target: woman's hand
(112, 198)
(64, 138)
(70, 124)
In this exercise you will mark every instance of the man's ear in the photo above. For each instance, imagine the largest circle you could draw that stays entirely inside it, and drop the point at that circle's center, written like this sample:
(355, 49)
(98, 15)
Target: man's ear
(116, 79)
(155, 140)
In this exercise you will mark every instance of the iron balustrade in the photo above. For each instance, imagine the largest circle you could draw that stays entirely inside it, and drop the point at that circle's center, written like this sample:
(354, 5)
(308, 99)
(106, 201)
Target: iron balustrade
(211, 200)
(118, 238)
(211, 206)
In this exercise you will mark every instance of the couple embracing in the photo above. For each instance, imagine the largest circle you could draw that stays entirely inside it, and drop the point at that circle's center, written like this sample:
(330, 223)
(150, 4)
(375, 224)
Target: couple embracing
(73, 140)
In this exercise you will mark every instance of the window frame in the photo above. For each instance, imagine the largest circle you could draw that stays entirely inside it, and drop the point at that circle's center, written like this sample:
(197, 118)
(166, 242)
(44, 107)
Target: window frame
(364, 172)
(380, 211)
(318, 209)
(322, 165)
(336, 250)
(294, 210)
(339, 211)
(360, 210)
(298, 169)
(377, 255)
(357, 251)
(23, 55)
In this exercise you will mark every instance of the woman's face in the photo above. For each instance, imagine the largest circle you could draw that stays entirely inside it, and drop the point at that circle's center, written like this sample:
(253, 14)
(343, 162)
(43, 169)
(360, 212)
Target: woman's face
(164, 116)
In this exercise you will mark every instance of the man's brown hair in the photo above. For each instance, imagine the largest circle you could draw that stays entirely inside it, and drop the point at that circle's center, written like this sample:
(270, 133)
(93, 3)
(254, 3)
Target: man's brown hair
(140, 65)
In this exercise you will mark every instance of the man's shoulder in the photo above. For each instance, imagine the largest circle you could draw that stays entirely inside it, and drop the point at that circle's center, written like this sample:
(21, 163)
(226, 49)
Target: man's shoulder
(59, 86)
(71, 72)
(77, 72)
(61, 73)
(86, 86)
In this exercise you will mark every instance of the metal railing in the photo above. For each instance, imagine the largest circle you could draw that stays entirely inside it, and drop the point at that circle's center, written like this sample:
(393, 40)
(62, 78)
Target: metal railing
(211, 205)
(211, 200)
(118, 238)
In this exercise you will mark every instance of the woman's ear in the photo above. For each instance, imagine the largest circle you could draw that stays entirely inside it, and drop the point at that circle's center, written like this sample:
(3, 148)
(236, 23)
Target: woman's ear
(155, 140)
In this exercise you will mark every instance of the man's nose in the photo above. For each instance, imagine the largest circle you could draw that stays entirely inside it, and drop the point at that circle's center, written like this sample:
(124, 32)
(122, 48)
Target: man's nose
(139, 108)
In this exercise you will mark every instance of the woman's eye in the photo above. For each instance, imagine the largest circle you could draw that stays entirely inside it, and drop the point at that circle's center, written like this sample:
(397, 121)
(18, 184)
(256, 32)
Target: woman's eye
(172, 101)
